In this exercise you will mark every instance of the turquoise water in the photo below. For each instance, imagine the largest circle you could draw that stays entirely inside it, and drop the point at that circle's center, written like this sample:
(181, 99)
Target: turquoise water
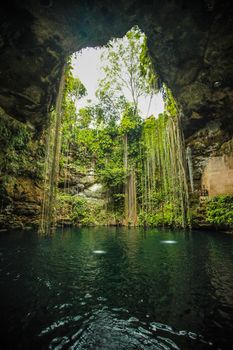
(114, 288)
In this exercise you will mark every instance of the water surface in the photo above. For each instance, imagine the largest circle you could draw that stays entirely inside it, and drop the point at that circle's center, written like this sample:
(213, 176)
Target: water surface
(109, 288)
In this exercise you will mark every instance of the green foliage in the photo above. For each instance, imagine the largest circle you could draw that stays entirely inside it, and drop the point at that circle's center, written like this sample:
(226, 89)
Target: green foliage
(74, 90)
(107, 111)
(81, 211)
(84, 117)
(163, 215)
(127, 153)
(127, 66)
(147, 69)
(130, 121)
(219, 210)
(112, 176)
(20, 153)
(75, 209)
(163, 192)
(171, 108)
(13, 134)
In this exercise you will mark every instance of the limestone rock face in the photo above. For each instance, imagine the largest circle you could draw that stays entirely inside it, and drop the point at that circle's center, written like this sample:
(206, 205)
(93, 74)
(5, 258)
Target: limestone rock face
(217, 177)
(21, 203)
(94, 192)
(209, 141)
(190, 43)
(82, 184)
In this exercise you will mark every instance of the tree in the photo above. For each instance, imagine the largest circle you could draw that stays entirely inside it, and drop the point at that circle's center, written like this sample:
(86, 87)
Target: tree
(127, 71)
(128, 75)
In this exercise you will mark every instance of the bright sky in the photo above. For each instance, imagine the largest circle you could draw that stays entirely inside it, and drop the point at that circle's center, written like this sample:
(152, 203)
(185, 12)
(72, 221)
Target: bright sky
(87, 64)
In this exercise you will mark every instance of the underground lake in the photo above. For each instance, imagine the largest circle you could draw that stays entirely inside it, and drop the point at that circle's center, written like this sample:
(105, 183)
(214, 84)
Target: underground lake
(116, 288)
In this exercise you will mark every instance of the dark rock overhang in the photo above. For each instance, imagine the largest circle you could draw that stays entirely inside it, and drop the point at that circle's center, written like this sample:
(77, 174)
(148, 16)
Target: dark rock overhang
(191, 44)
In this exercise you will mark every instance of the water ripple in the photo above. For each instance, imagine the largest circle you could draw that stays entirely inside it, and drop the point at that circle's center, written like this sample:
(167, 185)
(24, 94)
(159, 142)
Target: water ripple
(110, 288)
(107, 329)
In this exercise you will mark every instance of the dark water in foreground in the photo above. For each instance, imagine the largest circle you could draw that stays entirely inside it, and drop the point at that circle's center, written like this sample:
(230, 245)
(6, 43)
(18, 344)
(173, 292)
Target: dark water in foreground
(101, 288)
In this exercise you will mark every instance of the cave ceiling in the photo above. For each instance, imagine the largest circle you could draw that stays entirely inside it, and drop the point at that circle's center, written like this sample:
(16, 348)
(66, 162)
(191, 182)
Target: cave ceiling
(191, 44)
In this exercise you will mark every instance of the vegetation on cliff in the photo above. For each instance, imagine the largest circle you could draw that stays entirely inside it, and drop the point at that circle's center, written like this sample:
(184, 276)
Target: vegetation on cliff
(21, 173)
(139, 163)
(219, 210)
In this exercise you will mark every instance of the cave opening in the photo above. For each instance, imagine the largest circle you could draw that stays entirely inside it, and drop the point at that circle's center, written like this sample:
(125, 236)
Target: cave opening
(126, 137)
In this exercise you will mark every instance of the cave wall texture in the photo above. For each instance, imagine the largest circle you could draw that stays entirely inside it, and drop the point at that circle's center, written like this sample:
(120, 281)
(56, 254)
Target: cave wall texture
(191, 44)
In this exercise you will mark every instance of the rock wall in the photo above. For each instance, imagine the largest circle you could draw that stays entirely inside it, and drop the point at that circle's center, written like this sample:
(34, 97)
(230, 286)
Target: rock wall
(208, 143)
(21, 200)
(81, 183)
(82, 200)
(21, 182)
(212, 160)
(217, 177)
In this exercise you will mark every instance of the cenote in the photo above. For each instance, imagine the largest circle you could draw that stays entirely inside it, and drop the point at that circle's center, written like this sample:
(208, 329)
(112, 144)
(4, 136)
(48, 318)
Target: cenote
(56, 293)
(116, 175)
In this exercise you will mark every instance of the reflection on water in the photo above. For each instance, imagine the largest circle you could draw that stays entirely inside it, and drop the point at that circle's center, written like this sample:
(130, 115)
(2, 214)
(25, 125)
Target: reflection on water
(111, 288)
(99, 252)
